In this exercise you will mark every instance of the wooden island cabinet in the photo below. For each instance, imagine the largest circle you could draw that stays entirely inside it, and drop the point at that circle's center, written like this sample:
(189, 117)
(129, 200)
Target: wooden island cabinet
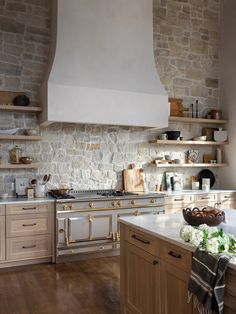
(155, 270)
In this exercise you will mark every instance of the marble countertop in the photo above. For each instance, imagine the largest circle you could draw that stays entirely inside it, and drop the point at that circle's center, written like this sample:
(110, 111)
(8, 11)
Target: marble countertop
(167, 227)
(23, 200)
(193, 192)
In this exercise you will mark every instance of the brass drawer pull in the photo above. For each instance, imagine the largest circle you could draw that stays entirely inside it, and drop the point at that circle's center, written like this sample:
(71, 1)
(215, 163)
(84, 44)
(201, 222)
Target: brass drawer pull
(155, 262)
(205, 198)
(178, 199)
(227, 196)
(175, 255)
(29, 225)
(29, 208)
(29, 246)
(140, 239)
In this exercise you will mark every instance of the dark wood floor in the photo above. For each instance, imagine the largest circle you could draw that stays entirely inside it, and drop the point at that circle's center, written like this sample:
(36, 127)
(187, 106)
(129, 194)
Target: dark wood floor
(83, 287)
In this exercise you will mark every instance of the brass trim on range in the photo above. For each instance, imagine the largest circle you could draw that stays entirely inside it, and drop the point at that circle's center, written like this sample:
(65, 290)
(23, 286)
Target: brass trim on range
(105, 208)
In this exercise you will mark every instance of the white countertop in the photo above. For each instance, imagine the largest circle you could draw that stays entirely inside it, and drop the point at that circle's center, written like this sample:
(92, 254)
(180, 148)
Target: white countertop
(167, 227)
(23, 200)
(184, 192)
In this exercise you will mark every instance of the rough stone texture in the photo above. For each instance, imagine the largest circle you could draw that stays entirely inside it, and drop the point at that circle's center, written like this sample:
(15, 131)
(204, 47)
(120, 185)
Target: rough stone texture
(89, 157)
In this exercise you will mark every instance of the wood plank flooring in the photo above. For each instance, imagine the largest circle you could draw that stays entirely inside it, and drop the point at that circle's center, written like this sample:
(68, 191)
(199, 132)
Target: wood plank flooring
(83, 287)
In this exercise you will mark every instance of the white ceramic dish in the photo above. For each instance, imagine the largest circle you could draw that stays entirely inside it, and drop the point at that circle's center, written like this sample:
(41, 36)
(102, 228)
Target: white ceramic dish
(200, 138)
(3, 195)
(9, 131)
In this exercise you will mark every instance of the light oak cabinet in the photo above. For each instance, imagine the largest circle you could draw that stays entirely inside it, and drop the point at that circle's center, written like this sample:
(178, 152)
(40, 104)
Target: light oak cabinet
(154, 275)
(2, 232)
(29, 231)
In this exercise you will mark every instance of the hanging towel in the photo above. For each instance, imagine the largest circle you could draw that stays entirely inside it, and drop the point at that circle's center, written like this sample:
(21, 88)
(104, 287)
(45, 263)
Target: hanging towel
(207, 281)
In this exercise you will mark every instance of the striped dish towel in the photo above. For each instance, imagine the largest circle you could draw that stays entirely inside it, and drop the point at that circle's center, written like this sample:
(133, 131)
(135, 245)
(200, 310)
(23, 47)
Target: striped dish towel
(207, 281)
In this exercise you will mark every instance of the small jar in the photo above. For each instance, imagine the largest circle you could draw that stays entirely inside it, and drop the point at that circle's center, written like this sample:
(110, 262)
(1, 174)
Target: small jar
(15, 155)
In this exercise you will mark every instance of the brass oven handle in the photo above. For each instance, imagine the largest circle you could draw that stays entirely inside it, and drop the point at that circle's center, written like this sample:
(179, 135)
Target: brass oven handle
(29, 225)
(29, 246)
(140, 239)
(175, 255)
(29, 208)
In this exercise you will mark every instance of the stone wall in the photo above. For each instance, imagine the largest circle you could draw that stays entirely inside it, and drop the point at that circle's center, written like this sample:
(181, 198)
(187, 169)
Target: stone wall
(186, 52)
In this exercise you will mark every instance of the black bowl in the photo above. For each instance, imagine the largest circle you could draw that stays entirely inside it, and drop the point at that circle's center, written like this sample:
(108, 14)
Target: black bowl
(21, 100)
(196, 216)
(173, 135)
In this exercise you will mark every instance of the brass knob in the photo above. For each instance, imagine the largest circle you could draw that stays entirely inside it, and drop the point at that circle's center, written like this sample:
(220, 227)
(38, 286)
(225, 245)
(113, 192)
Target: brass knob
(67, 207)
(61, 230)
(152, 201)
(90, 204)
(113, 204)
(137, 213)
(90, 218)
(132, 202)
(118, 203)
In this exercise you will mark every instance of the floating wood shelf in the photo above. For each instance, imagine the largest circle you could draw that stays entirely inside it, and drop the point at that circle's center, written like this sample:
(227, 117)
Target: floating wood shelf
(173, 142)
(26, 109)
(20, 166)
(21, 137)
(196, 120)
(194, 165)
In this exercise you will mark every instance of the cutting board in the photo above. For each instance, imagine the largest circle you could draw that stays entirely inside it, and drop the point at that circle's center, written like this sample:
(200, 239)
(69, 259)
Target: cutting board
(133, 180)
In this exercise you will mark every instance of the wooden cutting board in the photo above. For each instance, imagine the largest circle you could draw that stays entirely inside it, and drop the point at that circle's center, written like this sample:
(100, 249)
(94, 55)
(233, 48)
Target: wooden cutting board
(133, 180)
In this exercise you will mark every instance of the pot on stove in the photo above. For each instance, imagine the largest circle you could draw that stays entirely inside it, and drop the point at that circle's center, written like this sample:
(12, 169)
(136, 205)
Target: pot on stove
(60, 192)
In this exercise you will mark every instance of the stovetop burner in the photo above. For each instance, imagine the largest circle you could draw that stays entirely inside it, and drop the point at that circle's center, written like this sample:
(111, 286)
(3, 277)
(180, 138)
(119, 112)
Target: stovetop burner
(62, 197)
(115, 193)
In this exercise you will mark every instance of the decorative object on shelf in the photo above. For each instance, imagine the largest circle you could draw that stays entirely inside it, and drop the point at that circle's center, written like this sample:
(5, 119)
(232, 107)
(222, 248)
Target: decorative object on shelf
(21, 100)
(215, 114)
(9, 131)
(219, 155)
(31, 132)
(173, 135)
(209, 133)
(26, 160)
(176, 107)
(220, 135)
(200, 138)
(207, 158)
(206, 173)
(163, 137)
(192, 156)
(15, 155)
(196, 109)
(208, 215)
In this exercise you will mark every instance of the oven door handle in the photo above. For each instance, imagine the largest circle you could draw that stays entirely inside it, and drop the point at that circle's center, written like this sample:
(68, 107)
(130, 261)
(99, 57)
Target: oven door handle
(66, 235)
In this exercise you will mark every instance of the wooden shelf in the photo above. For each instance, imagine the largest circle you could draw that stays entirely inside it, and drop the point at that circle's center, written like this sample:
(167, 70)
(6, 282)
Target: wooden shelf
(26, 109)
(21, 137)
(172, 142)
(196, 165)
(196, 120)
(20, 166)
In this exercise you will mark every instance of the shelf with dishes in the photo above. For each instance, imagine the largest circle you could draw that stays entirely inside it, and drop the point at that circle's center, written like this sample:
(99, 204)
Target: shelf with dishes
(187, 142)
(20, 166)
(188, 165)
(196, 120)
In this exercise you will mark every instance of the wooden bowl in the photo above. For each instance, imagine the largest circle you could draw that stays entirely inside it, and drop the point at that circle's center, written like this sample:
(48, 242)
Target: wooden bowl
(211, 217)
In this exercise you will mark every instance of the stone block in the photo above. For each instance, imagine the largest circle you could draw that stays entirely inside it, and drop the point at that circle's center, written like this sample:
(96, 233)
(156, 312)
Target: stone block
(10, 69)
(212, 82)
(198, 46)
(16, 6)
(11, 25)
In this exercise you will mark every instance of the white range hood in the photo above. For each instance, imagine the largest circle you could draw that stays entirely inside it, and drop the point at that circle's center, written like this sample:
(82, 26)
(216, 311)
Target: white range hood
(102, 67)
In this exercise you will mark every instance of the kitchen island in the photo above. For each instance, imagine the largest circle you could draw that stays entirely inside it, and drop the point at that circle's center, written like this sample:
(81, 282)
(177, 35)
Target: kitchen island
(156, 263)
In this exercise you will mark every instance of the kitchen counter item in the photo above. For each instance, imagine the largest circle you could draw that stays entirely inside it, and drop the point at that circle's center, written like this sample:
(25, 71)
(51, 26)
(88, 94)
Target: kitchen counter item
(60, 192)
(208, 215)
(206, 173)
(133, 179)
(40, 190)
(173, 135)
(3, 195)
(15, 155)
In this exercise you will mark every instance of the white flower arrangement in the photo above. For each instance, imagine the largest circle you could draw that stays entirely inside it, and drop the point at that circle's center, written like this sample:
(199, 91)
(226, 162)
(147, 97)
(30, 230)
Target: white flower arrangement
(210, 239)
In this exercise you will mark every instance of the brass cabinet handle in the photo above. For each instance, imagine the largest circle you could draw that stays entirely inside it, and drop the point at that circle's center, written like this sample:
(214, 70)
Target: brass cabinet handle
(29, 225)
(178, 199)
(29, 208)
(205, 198)
(140, 239)
(90, 205)
(227, 196)
(155, 262)
(175, 255)
(29, 246)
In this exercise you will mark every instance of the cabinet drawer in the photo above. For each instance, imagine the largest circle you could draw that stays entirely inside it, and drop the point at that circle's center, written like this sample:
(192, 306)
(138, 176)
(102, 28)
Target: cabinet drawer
(29, 247)
(23, 225)
(176, 256)
(29, 208)
(206, 198)
(2, 210)
(143, 241)
(228, 196)
(179, 200)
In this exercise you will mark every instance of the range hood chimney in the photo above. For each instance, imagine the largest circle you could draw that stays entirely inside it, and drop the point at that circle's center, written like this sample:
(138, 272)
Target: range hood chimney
(103, 69)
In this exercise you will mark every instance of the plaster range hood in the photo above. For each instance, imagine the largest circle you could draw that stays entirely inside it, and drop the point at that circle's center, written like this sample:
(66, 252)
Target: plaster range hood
(102, 67)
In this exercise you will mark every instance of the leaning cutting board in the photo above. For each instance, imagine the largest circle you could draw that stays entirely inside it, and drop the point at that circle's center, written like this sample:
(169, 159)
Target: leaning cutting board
(133, 180)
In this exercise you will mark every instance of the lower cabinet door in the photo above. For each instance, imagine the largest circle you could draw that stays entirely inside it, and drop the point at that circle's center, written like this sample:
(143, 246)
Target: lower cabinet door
(2, 238)
(174, 289)
(142, 282)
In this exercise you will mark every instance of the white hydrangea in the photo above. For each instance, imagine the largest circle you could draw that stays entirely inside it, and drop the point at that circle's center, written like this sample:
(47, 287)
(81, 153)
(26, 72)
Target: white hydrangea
(196, 237)
(186, 232)
(210, 230)
(212, 246)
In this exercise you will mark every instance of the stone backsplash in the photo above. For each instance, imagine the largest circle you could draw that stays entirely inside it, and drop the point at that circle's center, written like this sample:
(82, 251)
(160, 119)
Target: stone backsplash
(90, 157)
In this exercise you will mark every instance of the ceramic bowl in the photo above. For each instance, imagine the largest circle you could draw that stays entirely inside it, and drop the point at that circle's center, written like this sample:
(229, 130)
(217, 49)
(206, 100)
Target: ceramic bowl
(3, 195)
(167, 157)
(26, 160)
(173, 135)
